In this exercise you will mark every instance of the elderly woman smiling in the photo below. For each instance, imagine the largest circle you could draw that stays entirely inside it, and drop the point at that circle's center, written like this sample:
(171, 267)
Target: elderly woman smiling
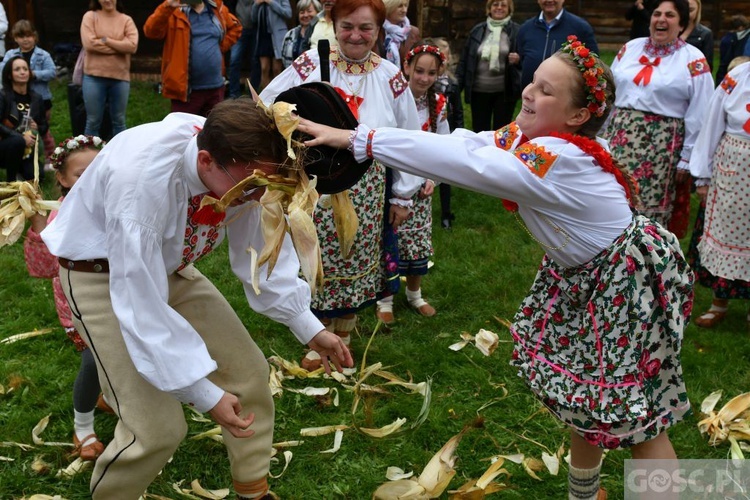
(663, 87)
(378, 95)
(297, 40)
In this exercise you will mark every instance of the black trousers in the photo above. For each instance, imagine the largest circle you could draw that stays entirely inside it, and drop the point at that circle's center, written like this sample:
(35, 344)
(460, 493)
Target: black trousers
(491, 111)
(11, 152)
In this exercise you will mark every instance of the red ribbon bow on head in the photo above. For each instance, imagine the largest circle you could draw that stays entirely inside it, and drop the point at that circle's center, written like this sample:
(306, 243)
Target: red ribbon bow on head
(746, 126)
(644, 75)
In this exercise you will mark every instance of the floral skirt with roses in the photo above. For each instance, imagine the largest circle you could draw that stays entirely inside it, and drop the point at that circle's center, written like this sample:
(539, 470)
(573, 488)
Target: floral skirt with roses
(357, 280)
(415, 238)
(649, 146)
(599, 344)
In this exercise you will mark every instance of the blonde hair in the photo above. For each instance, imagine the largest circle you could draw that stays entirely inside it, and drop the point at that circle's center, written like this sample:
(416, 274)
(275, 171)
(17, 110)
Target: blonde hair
(391, 5)
(698, 15)
(511, 7)
(737, 61)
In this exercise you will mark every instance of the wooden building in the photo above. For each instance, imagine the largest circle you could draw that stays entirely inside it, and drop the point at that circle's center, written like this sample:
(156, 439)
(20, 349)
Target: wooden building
(58, 21)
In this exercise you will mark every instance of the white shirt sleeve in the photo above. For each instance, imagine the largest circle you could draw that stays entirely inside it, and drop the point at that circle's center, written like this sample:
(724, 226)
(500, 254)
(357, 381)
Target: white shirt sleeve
(284, 296)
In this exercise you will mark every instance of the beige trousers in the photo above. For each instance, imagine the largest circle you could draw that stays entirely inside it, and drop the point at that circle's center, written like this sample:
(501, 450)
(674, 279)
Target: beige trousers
(152, 423)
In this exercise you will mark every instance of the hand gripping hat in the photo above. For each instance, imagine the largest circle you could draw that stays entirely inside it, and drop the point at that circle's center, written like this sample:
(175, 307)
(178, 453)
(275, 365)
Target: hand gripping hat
(335, 169)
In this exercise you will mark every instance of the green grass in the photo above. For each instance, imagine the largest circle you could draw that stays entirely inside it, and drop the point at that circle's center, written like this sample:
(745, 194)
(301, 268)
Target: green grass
(483, 269)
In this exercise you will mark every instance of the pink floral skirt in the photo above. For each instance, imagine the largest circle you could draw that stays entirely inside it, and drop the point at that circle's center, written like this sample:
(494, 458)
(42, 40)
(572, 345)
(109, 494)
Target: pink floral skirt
(599, 344)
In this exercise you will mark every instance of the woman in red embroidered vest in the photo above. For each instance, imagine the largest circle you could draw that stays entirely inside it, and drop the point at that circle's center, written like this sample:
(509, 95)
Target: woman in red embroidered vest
(664, 86)
(598, 336)
(422, 66)
(720, 247)
(379, 96)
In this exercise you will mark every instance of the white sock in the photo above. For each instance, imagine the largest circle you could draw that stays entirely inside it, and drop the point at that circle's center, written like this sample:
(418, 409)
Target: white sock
(386, 304)
(83, 423)
(413, 296)
(583, 484)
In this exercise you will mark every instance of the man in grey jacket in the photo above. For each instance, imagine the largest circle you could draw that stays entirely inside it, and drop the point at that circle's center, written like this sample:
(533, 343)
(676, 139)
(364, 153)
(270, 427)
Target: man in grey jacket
(242, 51)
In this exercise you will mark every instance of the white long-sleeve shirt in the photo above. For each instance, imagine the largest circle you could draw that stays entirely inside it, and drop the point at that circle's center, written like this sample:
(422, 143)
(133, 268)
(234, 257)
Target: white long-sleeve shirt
(556, 184)
(728, 113)
(130, 207)
(386, 98)
(680, 85)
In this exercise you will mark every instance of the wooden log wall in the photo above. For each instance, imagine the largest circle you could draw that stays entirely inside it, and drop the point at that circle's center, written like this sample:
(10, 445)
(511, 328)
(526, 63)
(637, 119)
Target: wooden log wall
(58, 21)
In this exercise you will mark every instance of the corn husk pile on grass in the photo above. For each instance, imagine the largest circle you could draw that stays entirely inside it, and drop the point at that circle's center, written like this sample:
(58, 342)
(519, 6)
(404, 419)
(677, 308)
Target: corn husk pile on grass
(19, 201)
(731, 423)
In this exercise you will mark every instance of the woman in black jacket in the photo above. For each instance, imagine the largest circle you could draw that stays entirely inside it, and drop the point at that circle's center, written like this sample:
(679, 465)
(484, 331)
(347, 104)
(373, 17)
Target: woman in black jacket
(698, 35)
(22, 120)
(488, 72)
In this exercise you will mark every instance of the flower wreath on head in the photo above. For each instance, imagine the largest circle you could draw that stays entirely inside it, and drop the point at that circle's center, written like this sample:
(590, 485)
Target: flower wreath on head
(431, 49)
(593, 74)
(71, 145)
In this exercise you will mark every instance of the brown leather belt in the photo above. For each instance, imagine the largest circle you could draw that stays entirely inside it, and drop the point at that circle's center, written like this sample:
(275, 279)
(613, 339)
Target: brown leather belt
(85, 266)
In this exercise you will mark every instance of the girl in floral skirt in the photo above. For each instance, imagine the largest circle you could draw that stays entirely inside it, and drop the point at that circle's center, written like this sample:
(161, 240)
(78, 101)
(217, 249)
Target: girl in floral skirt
(69, 160)
(598, 337)
(422, 66)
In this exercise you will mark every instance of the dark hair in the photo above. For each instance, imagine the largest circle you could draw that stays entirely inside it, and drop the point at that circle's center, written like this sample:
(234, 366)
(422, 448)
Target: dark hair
(683, 10)
(738, 21)
(23, 27)
(95, 5)
(345, 7)
(238, 131)
(8, 72)
(431, 100)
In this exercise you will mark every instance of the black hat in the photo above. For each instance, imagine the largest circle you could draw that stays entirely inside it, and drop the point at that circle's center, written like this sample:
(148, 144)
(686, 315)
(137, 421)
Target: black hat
(335, 169)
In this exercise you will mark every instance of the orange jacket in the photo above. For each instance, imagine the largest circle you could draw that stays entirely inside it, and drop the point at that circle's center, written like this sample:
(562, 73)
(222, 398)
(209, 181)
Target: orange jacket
(172, 25)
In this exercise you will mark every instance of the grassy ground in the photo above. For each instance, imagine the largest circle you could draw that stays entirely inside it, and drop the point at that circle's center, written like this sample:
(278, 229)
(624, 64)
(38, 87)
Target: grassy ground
(483, 268)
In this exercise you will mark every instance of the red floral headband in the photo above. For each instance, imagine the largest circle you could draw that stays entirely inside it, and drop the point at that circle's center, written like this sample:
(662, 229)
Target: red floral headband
(593, 74)
(419, 49)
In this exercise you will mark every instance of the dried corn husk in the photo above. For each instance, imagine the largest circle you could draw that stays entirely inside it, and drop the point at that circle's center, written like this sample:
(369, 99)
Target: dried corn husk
(210, 494)
(433, 481)
(337, 438)
(346, 221)
(322, 431)
(286, 123)
(304, 234)
(293, 369)
(23, 336)
(386, 430)
(732, 419)
(287, 459)
(532, 466)
(476, 489)
(397, 473)
(19, 200)
(76, 467)
(214, 433)
(485, 340)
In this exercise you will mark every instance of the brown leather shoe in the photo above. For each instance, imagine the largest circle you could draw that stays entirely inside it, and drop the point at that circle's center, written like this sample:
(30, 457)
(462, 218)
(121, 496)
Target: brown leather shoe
(425, 310)
(602, 495)
(90, 451)
(710, 319)
(385, 316)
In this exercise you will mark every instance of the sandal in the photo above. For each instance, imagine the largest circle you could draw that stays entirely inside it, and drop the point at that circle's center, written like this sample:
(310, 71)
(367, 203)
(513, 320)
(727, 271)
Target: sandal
(88, 452)
(710, 318)
(385, 315)
(423, 308)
